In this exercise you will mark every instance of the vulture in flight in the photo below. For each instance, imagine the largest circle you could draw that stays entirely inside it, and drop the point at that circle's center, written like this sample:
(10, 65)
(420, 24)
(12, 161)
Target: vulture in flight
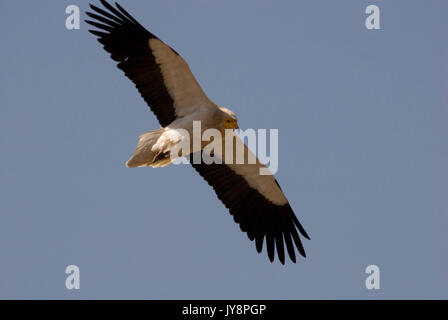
(167, 85)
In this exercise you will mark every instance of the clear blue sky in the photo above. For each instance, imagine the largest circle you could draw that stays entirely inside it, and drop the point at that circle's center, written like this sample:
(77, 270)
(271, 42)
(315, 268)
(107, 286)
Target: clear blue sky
(362, 119)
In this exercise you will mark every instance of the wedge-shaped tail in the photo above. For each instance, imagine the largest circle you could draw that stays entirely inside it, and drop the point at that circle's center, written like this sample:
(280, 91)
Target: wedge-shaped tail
(144, 155)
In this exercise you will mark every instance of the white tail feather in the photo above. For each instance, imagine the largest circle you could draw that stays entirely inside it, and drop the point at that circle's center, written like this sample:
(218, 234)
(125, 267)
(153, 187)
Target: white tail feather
(144, 155)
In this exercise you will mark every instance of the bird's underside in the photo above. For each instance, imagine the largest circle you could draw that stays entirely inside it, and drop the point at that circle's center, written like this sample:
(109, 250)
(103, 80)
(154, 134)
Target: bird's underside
(167, 85)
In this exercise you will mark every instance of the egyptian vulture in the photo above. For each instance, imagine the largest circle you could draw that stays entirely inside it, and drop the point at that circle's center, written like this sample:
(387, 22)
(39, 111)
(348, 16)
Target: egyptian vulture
(166, 83)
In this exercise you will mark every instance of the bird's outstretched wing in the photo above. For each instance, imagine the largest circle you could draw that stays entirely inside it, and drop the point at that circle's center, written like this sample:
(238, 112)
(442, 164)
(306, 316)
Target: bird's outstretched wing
(160, 74)
(256, 202)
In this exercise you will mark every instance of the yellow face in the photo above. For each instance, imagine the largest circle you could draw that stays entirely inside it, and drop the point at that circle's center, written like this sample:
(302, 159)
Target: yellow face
(230, 123)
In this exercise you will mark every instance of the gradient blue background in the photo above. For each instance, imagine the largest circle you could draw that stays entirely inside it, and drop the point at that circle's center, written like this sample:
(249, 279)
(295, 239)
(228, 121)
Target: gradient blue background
(362, 119)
